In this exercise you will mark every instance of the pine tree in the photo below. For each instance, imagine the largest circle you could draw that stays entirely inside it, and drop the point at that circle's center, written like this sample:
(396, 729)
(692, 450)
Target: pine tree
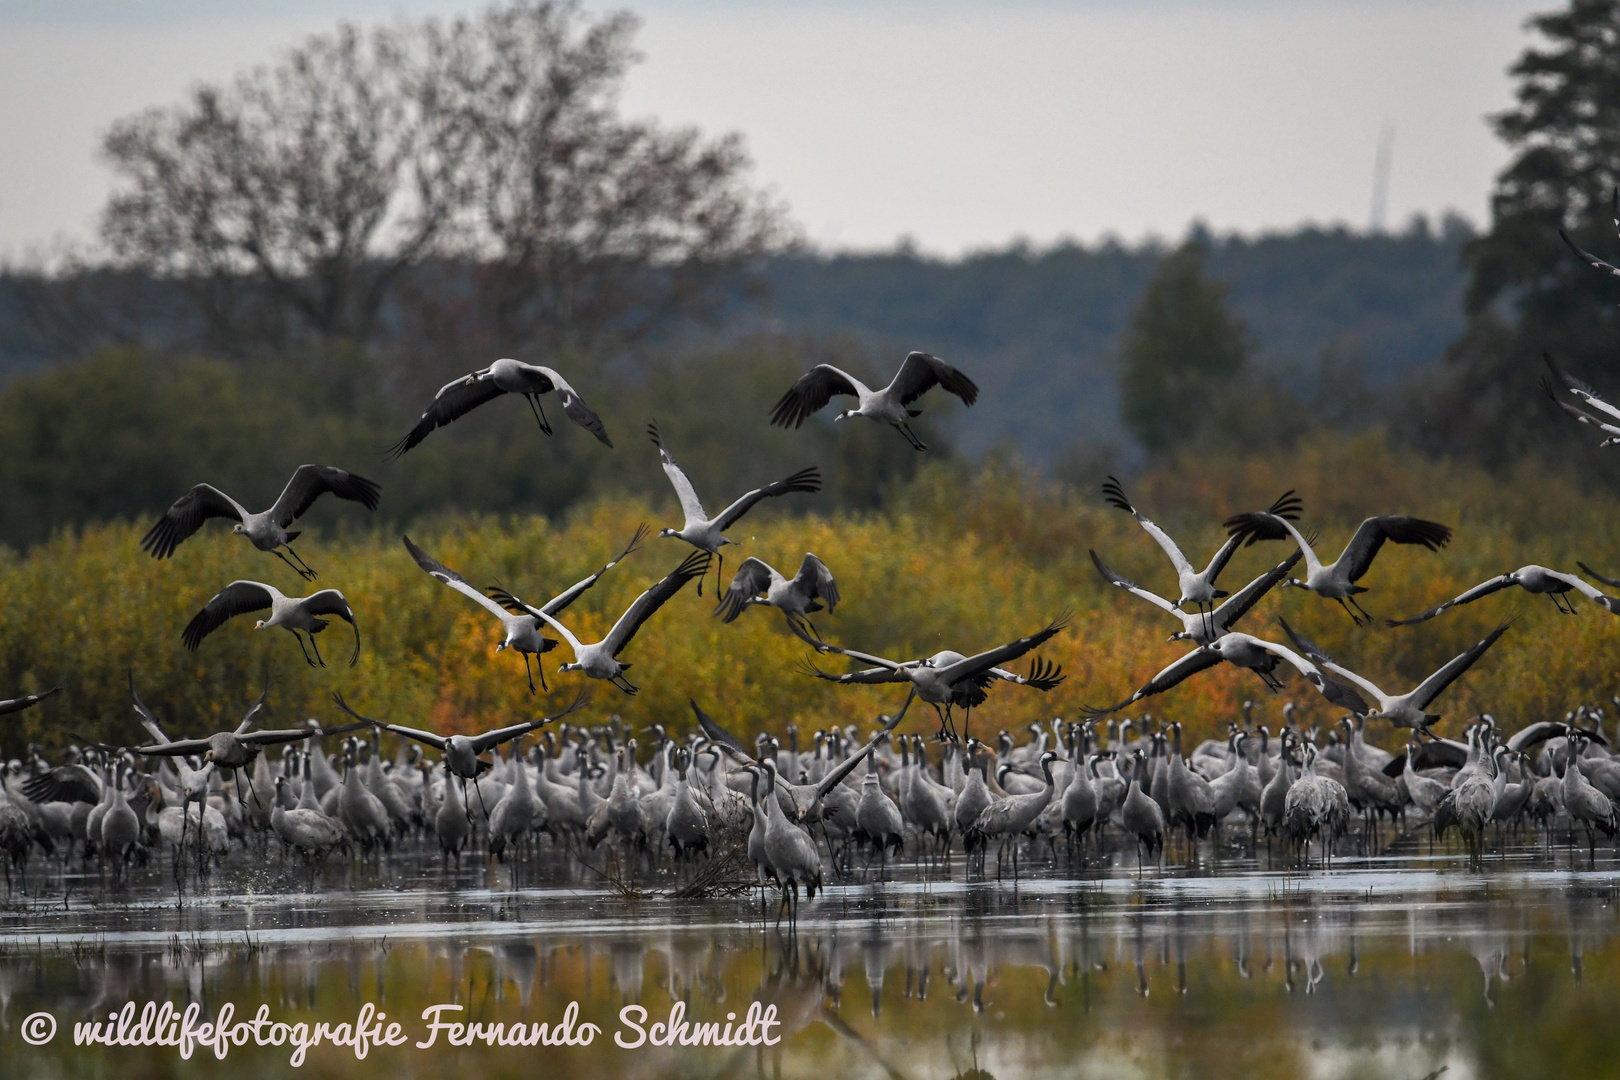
(1183, 346)
(1527, 291)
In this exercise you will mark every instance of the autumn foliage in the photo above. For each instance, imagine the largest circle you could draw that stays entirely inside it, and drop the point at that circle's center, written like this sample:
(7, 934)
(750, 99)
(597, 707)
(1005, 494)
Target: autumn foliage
(957, 560)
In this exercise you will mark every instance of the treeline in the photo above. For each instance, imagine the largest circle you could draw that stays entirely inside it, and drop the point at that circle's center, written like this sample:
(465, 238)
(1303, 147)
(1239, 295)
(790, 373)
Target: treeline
(953, 559)
(122, 435)
(1326, 310)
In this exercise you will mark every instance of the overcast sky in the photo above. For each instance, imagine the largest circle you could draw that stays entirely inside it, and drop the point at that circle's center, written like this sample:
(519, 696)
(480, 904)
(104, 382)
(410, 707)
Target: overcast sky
(958, 124)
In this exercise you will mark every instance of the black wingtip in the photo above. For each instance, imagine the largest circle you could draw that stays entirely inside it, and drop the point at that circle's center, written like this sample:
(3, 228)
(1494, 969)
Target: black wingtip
(1571, 244)
(398, 448)
(1114, 495)
(367, 493)
(695, 564)
(805, 480)
(1288, 506)
(1104, 569)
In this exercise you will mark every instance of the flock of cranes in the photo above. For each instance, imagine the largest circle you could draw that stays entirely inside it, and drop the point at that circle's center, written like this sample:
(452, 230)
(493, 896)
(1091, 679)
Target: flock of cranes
(1097, 788)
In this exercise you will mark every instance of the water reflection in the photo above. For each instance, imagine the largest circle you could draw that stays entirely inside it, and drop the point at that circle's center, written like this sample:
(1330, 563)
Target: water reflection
(1375, 972)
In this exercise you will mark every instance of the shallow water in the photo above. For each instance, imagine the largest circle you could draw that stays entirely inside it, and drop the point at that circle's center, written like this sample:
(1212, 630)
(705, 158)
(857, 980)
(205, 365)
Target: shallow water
(1393, 967)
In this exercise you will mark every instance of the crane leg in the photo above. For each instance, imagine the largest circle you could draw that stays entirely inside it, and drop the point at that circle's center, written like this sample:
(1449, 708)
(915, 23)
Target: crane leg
(530, 676)
(1367, 618)
(304, 572)
(308, 571)
(539, 413)
(813, 631)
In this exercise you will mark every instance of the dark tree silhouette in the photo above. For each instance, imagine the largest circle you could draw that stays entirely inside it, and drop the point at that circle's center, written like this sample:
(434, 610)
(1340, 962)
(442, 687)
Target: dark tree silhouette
(1183, 347)
(1527, 290)
(294, 200)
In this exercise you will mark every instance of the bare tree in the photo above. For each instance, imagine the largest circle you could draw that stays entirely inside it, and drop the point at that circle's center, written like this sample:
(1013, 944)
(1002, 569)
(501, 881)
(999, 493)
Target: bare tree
(586, 226)
(310, 185)
(292, 201)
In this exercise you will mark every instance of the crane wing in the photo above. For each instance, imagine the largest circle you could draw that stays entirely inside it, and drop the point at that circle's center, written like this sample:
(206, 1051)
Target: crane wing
(557, 603)
(237, 598)
(65, 783)
(719, 735)
(285, 735)
(921, 372)
(177, 748)
(1287, 506)
(805, 480)
(27, 701)
(310, 482)
(256, 708)
(1587, 257)
(1591, 573)
(1607, 603)
(752, 578)
(1130, 586)
(811, 393)
(331, 602)
(427, 738)
(693, 566)
(449, 577)
(453, 401)
(691, 505)
(1114, 494)
(817, 581)
(488, 739)
(1585, 391)
(1043, 675)
(186, 516)
(576, 409)
(865, 658)
(869, 677)
(1398, 529)
(1435, 684)
(1486, 588)
(1238, 604)
(975, 665)
(1580, 414)
(1187, 666)
(1322, 660)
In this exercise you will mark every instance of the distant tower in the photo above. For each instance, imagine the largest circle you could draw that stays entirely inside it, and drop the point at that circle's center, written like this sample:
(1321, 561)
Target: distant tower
(1381, 163)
